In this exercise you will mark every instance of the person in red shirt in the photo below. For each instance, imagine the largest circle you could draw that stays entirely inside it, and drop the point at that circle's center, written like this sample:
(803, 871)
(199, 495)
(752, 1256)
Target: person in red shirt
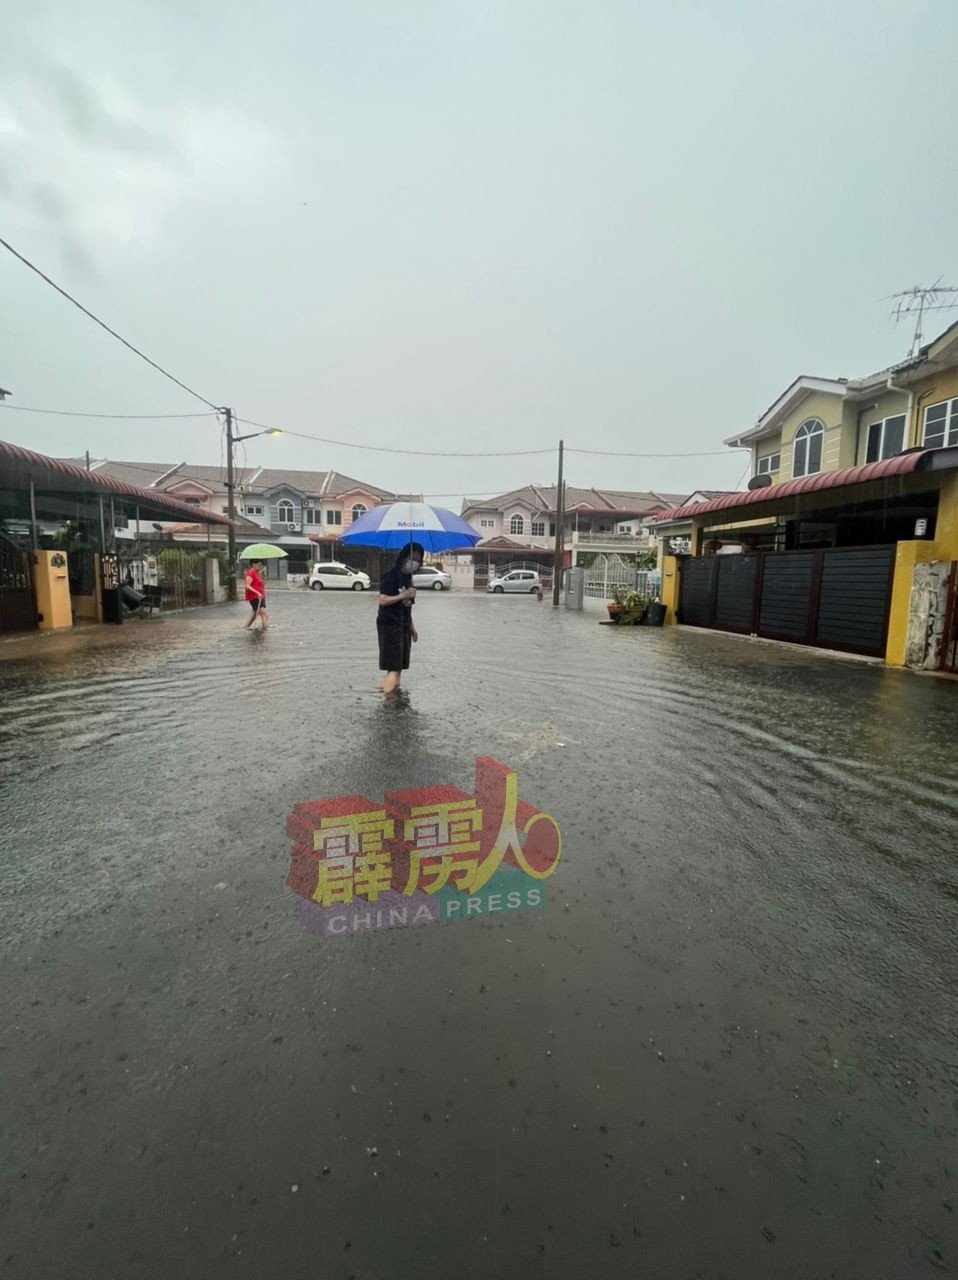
(256, 595)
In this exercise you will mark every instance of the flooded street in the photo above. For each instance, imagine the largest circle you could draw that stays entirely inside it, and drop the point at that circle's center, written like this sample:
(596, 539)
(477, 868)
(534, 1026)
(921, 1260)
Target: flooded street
(725, 1047)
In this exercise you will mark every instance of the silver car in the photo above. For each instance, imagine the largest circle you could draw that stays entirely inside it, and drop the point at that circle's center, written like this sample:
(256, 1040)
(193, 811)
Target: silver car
(431, 578)
(518, 580)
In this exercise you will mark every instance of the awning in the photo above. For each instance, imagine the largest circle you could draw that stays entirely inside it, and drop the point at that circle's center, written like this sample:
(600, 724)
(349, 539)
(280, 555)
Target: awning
(902, 465)
(19, 466)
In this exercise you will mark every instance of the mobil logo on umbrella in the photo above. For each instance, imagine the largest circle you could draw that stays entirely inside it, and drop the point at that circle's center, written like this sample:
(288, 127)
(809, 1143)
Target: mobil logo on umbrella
(390, 525)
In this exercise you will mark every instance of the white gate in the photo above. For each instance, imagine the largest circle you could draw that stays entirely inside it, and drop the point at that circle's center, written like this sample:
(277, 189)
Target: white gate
(609, 571)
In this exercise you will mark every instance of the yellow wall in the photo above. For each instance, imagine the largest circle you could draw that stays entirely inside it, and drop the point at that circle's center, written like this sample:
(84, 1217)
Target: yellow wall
(853, 444)
(944, 547)
(820, 404)
(931, 390)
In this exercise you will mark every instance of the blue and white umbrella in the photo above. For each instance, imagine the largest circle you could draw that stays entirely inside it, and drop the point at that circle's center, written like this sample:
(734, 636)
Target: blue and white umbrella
(394, 526)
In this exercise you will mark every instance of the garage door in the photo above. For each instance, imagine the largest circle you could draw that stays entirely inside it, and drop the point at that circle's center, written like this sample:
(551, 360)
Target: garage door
(834, 599)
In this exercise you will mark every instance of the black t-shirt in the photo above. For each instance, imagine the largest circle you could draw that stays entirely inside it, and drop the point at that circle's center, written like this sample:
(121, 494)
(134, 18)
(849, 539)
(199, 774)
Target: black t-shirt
(394, 581)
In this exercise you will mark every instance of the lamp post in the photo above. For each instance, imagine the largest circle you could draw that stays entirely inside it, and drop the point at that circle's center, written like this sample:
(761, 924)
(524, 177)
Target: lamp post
(232, 440)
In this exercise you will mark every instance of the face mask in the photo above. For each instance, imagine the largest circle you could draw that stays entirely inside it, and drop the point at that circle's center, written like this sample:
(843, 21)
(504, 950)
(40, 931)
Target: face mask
(410, 566)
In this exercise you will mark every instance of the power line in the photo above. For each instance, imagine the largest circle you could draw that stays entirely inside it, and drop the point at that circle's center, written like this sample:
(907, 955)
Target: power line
(608, 453)
(113, 333)
(506, 453)
(73, 413)
(375, 448)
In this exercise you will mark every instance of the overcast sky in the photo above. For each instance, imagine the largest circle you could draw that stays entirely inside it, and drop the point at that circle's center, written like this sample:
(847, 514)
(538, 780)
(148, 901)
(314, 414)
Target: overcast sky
(483, 224)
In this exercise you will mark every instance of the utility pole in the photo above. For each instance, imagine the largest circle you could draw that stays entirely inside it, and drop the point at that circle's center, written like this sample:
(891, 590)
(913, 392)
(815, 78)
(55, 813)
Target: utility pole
(230, 509)
(560, 516)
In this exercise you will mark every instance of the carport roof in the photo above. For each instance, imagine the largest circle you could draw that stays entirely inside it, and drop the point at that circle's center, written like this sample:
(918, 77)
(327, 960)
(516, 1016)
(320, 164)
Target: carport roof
(902, 465)
(20, 466)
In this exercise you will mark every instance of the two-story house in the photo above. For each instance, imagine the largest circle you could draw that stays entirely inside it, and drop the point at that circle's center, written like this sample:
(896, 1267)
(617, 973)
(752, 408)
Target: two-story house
(527, 516)
(847, 536)
(303, 512)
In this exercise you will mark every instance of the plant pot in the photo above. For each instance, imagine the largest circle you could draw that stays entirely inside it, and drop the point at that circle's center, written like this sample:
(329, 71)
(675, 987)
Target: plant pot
(615, 610)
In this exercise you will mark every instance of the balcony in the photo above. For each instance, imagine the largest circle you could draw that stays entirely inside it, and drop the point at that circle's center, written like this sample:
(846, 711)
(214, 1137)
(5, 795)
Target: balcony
(630, 543)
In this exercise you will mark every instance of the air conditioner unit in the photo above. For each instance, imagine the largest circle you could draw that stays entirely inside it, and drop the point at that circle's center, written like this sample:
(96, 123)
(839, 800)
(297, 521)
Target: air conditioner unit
(307, 502)
(292, 527)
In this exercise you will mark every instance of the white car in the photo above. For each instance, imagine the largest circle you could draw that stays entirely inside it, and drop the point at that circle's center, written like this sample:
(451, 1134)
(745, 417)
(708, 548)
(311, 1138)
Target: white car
(431, 578)
(517, 580)
(333, 576)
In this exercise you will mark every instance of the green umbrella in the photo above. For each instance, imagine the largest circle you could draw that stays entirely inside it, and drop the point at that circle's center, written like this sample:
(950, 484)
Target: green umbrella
(262, 551)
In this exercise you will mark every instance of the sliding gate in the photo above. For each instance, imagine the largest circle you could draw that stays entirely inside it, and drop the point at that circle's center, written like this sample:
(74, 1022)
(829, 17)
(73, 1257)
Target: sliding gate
(836, 599)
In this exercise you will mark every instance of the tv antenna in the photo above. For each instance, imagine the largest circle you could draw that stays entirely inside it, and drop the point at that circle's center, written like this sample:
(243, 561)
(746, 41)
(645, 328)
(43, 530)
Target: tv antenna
(917, 300)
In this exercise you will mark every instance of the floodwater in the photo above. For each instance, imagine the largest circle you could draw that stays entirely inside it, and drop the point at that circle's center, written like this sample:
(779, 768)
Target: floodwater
(724, 1047)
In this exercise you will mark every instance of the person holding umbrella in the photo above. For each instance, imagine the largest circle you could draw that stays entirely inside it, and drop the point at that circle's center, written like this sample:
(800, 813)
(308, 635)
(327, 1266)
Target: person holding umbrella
(257, 555)
(392, 527)
(256, 595)
(394, 625)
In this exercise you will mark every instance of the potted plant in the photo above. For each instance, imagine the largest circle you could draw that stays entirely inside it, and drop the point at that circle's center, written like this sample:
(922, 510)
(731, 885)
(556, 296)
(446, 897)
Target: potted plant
(634, 607)
(617, 607)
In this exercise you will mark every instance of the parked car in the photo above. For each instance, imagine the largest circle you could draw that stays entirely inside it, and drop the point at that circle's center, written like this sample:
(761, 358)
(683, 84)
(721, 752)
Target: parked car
(330, 575)
(431, 578)
(517, 580)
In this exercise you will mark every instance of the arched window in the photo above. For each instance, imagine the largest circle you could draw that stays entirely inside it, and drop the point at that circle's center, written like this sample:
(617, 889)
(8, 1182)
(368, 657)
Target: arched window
(285, 512)
(517, 525)
(358, 510)
(807, 449)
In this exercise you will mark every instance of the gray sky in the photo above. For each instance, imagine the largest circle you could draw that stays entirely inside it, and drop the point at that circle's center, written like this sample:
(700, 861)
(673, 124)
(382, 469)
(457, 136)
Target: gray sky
(481, 224)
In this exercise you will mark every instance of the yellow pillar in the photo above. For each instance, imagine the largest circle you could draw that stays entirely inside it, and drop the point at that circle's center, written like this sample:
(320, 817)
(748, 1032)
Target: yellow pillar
(52, 585)
(907, 555)
(670, 587)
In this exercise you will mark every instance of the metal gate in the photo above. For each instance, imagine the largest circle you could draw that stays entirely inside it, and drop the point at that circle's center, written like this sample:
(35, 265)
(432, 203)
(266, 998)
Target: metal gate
(837, 598)
(609, 571)
(180, 578)
(18, 606)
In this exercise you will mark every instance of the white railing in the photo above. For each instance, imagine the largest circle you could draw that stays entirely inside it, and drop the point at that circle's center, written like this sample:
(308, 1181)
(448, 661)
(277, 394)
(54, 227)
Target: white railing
(605, 578)
(624, 540)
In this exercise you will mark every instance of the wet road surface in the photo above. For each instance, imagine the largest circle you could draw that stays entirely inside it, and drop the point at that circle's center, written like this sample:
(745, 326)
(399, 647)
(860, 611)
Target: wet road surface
(725, 1047)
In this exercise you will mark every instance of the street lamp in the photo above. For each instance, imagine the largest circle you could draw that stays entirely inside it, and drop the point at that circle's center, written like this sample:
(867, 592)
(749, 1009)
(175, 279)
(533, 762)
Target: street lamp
(232, 440)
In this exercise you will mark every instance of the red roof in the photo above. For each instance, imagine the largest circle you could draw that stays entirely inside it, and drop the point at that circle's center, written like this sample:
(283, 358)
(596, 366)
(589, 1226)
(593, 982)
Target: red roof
(902, 465)
(48, 471)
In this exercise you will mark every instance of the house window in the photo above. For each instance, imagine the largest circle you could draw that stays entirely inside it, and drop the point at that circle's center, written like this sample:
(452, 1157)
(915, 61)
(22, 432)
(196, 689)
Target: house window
(313, 515)
(886, 439)
(517, 525)
(626, 528)
(941, 424)
(285, 512)
(538, 528)
(192, 502)
(769, 464)
(552, 528)
(334, 517)
(807, 450)
(253, 511)
(487, 524)
(358, 510)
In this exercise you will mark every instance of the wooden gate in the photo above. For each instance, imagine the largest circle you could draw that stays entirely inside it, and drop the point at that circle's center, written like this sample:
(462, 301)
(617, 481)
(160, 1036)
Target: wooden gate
(18, 606)
(834, 599)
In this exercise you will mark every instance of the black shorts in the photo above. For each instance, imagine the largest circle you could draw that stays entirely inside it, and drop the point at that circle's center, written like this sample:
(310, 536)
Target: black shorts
(256, 605)
(395, 645)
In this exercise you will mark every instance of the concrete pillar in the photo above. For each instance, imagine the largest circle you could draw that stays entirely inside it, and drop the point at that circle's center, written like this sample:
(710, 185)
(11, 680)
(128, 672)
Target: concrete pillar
(669, 594)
